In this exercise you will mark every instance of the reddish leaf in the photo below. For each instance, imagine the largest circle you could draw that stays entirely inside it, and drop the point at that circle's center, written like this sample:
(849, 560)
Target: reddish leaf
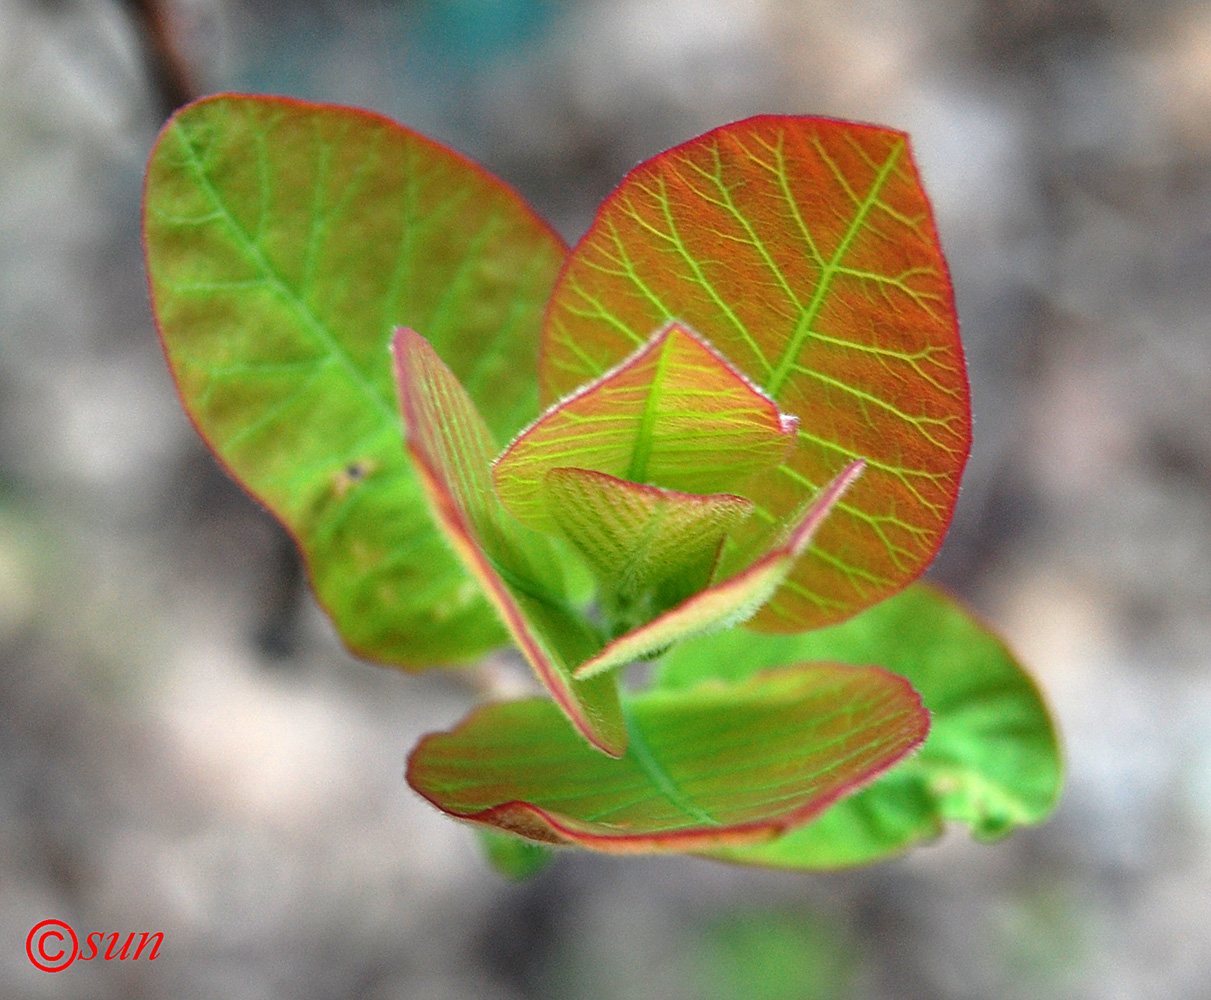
(674, 414)
(805, 251)
(452, 448)
(716, 765)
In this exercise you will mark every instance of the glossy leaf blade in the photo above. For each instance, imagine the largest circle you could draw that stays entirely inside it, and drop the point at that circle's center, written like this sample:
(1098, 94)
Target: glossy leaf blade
(805, 251)
(991, 762)
(713, 765)
(452, 448)
(733, 600)
(674, 414)
(284, 241)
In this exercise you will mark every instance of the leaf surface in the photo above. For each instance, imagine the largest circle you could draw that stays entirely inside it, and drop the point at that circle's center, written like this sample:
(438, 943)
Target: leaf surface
(734, 599)
(645, 544)
(716, 764)
(515, 566)
(992, 759)
(804, 250)
(284, 241)
(674, 414)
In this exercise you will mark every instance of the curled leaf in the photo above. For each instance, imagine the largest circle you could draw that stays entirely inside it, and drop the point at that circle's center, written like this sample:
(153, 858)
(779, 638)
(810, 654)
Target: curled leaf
(992, 760)
(717, 764)
(731, 601)
(650, 548)
(452, 447)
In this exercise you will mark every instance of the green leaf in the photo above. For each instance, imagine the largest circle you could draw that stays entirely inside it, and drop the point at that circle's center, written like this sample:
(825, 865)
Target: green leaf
(804, 250)
(715, 764)
(731, 601)
(452, 447)
(992, 758)
(284, 241)
(674, 414)
(651, 548)
(511, 856)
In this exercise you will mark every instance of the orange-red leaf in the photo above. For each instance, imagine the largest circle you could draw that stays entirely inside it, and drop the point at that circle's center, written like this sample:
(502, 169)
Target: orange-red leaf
(804, 250)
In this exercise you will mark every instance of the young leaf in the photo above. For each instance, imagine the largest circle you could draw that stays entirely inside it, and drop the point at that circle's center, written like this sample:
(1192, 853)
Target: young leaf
(452, 447)
(991, 761)
(284, 241)
(805, 251)
(716, 764)
(674, 414)
(651, 548)
(733, 600)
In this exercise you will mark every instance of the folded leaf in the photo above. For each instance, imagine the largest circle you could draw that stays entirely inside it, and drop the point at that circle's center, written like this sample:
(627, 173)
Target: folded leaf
(804, 250)
(991, 761)
(731, 601)
(674, 414)
(452, 447)
(284, 240)
(716, 764)
(650, 548)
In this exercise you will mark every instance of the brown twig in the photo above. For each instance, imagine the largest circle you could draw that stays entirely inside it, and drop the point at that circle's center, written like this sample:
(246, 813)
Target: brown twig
(170, 77)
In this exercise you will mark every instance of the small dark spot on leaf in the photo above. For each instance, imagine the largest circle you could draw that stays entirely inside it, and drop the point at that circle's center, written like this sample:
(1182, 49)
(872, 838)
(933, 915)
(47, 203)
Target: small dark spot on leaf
(350, 475)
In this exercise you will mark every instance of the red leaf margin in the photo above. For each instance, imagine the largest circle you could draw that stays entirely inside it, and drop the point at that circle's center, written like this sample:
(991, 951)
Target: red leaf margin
(591, 706)
(358, 649)
(902, 550)
(535, 822)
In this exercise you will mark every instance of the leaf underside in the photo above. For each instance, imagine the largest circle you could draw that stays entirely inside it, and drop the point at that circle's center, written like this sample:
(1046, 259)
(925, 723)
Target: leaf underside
(991, 762)
(717, 764)
(515, 566)
(804, 250)
(284, 241)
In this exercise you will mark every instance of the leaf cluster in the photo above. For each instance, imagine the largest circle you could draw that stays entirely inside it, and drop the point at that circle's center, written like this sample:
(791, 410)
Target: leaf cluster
(724, 432)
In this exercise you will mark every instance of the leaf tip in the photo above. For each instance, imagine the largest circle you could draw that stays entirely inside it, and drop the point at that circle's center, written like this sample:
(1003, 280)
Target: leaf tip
(822, 506)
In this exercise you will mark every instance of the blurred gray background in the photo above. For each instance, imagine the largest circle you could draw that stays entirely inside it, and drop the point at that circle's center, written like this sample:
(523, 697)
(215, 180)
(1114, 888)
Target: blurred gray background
(185, 748)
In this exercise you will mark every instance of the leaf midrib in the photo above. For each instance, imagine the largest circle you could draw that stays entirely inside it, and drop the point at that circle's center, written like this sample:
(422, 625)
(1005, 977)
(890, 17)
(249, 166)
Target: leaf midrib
(254, 254)
(638, 746)
(782, 371)
(638, 470)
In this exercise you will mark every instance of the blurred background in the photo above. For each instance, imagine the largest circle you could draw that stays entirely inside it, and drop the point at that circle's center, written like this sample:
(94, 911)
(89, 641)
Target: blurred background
(185, 748)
